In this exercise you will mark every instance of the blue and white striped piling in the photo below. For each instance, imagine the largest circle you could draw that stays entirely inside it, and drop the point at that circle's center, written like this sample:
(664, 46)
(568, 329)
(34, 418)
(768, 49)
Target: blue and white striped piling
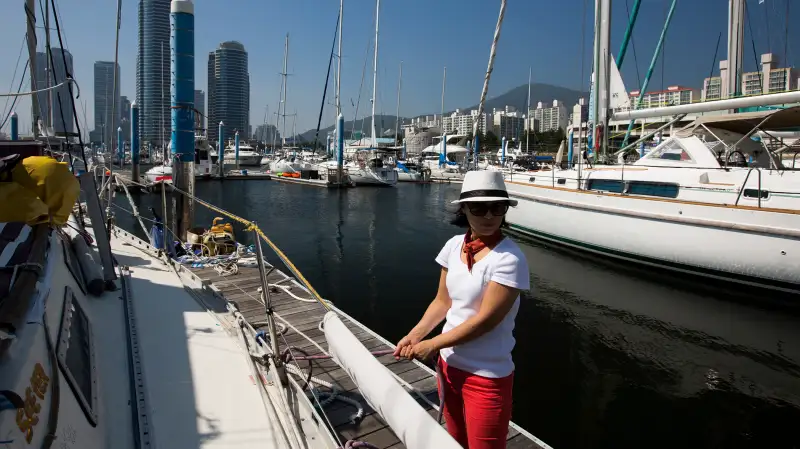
(236, 148)
(221, 150)
(340, 147)
(182, 93)
(120, 147)
(443, 154)
(503, 154)
(135, 142)
(14, 126)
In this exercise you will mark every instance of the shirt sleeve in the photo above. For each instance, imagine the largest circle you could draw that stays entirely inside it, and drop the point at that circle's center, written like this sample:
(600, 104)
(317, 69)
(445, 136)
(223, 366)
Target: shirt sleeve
(512, 271)
(444, 255)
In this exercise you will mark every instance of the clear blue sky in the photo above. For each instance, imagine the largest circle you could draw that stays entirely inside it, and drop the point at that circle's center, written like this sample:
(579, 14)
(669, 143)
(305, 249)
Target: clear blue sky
(426, 35)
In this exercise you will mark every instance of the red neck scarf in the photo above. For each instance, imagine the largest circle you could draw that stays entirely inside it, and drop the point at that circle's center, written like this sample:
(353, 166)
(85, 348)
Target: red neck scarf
(472, 247)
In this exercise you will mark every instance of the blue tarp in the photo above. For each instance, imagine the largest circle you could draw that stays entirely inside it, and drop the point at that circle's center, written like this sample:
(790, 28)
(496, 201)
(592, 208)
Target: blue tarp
(402, 166)
(543, 158)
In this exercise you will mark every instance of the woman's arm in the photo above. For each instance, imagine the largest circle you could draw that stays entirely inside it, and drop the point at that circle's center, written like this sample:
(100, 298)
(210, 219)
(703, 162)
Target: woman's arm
(497, 301)
(436, 312)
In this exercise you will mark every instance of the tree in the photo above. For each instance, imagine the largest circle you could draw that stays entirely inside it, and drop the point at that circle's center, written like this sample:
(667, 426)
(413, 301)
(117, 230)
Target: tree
(489, 140)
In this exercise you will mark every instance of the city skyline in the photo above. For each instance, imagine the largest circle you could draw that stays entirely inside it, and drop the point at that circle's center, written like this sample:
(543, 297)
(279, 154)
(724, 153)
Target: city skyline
(60, 118)
(104, 92)
(688, 55)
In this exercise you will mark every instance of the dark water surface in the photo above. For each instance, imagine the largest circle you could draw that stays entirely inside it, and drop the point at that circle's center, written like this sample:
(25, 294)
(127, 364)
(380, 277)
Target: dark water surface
(607, 356)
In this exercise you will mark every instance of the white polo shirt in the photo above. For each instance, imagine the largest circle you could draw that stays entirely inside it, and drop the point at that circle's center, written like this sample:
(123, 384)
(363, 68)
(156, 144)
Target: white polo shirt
(490, 354)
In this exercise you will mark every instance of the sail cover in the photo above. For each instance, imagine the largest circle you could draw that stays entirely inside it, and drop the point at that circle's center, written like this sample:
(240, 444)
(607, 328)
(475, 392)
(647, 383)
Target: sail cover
(412, 425)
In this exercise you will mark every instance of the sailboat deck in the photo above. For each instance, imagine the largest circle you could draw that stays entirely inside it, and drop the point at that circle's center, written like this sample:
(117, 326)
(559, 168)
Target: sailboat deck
(302, 321)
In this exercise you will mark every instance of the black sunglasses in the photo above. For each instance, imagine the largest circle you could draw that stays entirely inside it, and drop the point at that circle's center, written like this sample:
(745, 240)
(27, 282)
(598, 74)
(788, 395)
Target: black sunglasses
(497, 209)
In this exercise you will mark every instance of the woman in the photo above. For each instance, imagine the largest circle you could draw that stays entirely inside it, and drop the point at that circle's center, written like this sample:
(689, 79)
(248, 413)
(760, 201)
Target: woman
(481, 277)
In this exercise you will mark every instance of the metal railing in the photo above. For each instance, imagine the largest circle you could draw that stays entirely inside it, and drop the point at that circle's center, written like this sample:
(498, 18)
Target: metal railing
(744, 185)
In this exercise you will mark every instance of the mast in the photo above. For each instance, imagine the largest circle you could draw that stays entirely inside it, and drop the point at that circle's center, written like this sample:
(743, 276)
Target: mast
(31, 36)
(284, 74)
(375, 71)
(48, 121)
(735, 46)
(397, 116)
(161, 113)
(528, 111)
(115, 88)
(339, 62)
(444, 83)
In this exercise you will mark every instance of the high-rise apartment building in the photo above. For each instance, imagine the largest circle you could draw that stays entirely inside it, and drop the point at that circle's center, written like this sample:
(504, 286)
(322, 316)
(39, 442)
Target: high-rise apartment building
(228, 90)
(200, 106)
(104, 94)
(507, 123)
(59, 98)
(462, 123)
(770, 79)
(673, 96)
(153, 72)
(544, 119)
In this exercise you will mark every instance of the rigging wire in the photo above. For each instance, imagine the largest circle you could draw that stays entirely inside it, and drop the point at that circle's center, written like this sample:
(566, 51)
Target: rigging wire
(49, 53)
(13, 103)
(14, 77)
(713, 63)
(755, 55)
(71, 94)
(633, 45)
(325, 90)
(360, 88)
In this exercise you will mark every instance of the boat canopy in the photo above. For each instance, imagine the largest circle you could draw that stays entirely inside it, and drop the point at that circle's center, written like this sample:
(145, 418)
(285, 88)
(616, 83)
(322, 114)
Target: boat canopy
(744, 122)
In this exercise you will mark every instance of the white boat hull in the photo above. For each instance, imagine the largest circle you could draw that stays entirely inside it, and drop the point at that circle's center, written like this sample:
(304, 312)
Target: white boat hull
(408, 176)
(244, 160)
(364, 177)
(737, 244)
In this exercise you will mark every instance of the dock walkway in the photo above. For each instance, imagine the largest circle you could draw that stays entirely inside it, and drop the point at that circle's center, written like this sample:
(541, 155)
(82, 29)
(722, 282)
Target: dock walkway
(302, 319)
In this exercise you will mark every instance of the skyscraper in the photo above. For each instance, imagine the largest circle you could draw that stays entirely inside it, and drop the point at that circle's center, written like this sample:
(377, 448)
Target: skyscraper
(200, 105)
(229, 90)
(44, 78)
(104, 94)
(153, 72)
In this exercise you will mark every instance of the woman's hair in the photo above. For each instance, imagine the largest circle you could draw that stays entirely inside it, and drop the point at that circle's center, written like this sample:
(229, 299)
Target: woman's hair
(460, 218)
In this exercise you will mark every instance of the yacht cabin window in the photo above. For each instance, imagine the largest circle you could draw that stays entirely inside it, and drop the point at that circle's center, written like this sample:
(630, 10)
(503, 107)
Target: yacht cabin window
(671, 151)
(75, 351)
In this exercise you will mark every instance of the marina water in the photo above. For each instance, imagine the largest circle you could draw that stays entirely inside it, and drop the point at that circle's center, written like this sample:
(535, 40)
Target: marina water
(607, 355)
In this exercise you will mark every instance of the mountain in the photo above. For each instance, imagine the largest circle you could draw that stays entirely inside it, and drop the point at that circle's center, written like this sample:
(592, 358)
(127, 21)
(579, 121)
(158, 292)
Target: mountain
(516, 97)
(385, 128)
(545, 93)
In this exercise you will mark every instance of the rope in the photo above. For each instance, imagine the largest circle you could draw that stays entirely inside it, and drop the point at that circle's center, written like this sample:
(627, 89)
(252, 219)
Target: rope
(46, 89)
(492, 54)
(250, 226)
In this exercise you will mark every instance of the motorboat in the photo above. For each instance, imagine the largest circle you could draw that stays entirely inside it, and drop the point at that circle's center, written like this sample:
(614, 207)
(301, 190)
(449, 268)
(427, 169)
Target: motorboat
(709, 200)
(248, 156)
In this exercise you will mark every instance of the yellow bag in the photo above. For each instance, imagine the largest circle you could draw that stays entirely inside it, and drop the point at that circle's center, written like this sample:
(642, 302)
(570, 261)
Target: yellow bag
(21, 205)
(50, 181)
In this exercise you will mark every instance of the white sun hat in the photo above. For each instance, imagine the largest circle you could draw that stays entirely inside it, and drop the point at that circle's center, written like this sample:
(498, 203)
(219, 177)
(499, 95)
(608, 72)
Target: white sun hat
(484, 186)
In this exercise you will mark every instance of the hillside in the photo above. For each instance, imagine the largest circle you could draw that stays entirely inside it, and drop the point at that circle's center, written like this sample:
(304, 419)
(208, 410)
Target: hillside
(516, 97)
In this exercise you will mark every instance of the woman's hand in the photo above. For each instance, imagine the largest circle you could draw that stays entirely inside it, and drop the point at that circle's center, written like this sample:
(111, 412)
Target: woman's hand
(404, 346)
(424, 350)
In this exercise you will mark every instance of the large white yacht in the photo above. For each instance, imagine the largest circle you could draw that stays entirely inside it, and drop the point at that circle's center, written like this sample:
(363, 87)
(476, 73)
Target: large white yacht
(709, 200)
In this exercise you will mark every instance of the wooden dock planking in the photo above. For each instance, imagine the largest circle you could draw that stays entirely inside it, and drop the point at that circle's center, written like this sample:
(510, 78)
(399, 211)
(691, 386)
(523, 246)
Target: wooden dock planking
(302, 332)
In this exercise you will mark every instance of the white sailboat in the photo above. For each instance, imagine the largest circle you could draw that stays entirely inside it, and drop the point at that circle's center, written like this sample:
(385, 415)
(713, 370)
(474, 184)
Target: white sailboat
(367, 167)
(248, 156)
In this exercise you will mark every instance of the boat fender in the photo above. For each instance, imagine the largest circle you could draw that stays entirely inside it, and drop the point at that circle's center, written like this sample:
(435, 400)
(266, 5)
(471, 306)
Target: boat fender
(91, 275)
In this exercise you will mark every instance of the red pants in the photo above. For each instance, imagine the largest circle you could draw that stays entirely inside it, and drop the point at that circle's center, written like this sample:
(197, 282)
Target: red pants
(477, 409)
